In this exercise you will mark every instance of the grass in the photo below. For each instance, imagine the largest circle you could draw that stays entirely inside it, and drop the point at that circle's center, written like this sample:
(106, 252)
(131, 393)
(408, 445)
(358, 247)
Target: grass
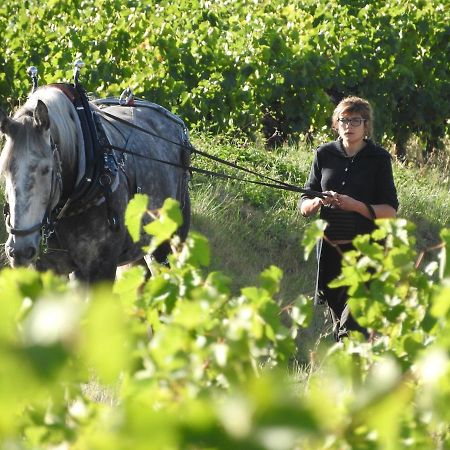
(252, 227)
(245, 239)
(424, 200)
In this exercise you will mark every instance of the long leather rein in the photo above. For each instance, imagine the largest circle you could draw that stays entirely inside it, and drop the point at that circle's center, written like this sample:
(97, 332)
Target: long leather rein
(276, 184)
(57, 181)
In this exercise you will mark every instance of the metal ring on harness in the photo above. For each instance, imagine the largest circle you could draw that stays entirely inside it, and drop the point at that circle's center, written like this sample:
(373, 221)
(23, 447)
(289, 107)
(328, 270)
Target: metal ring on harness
(105, 180)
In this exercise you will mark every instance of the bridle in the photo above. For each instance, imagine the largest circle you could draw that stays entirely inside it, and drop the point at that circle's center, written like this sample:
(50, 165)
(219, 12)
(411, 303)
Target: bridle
(45, 225)
(95, 184)
(18, 231)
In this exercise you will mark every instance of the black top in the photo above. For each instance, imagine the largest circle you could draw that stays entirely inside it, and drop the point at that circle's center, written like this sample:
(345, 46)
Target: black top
(366, 177)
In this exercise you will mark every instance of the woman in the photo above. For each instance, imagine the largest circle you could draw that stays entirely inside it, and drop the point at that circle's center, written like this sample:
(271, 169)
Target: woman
(357, 176)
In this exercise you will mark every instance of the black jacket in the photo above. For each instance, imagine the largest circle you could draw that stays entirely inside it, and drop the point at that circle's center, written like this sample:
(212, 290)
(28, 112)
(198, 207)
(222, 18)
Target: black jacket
(366, 177)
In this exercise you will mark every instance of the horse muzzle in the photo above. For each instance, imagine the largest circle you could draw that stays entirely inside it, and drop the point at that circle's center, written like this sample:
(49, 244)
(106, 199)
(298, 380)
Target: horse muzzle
(21, 252)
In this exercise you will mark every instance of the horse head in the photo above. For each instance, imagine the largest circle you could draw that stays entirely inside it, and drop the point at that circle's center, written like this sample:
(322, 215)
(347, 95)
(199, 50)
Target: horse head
(28, 165)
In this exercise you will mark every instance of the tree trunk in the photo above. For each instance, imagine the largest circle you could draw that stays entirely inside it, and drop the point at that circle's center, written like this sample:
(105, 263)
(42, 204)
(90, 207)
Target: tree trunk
(400, 145)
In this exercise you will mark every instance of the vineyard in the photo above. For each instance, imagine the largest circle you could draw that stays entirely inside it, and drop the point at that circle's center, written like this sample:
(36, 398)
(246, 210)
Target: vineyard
(186, 359)
(249, 65)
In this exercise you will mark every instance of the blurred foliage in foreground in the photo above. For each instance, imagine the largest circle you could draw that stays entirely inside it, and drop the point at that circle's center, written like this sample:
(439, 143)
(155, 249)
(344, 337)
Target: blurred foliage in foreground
(189, 366)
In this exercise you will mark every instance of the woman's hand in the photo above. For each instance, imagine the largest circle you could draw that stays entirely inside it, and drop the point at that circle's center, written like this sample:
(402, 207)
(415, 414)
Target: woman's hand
(331, 199)
(347, 203)
(310, 206)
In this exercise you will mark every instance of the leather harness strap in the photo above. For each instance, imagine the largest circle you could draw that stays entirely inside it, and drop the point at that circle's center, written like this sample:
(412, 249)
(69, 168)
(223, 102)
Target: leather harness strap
(100, 164)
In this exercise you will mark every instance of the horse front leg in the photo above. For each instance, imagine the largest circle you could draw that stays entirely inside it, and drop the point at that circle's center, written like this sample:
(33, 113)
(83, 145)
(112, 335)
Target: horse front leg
(99, 267)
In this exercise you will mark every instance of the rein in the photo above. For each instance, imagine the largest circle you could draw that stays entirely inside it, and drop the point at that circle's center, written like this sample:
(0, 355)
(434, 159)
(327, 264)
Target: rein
(47, 225)
(276, 184)
(282, 185)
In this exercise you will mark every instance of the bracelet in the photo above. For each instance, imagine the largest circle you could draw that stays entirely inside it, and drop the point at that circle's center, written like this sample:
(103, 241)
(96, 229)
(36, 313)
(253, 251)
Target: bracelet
(372, 213)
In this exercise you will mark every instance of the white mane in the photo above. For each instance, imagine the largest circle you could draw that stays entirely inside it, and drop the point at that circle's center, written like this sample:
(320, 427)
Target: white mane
(65, 127)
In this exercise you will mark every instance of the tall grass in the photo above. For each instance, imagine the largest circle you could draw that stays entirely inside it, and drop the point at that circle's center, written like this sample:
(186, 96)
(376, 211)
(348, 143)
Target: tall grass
(245, 239)
(251, 227)
(424, 194)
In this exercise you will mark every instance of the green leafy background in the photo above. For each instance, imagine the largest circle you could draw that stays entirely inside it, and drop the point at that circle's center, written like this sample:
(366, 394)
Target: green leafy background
(251, 65)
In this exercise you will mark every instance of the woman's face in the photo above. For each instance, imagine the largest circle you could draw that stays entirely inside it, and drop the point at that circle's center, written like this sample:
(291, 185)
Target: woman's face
(351, 127)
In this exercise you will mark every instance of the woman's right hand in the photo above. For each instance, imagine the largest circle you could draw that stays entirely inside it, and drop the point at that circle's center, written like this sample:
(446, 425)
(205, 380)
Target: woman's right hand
(310, 206)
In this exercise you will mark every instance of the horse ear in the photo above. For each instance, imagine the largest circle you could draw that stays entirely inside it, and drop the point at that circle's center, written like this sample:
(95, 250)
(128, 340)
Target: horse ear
(40, 116)
(5, 123)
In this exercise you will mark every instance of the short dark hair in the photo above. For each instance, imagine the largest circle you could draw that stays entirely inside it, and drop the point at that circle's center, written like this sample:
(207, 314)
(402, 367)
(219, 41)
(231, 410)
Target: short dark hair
(355, 105)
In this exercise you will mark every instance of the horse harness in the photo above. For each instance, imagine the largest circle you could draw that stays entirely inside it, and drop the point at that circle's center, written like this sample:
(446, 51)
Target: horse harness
(101, 165)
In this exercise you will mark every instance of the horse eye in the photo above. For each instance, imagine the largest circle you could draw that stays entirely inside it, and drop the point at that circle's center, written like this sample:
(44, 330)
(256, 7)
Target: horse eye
(45, 170)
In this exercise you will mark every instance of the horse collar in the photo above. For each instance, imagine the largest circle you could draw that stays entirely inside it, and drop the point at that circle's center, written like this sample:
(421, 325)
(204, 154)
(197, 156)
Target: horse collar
(101, 164)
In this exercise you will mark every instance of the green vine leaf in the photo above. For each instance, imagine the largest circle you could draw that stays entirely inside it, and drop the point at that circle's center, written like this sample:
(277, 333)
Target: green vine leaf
(313, 234)
(136, 208)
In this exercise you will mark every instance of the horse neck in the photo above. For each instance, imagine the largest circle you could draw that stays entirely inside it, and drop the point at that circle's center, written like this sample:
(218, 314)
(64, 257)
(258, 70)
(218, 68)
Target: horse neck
(66, 132)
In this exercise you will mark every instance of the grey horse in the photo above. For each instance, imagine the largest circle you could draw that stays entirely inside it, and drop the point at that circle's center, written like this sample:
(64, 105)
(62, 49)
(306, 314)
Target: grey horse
(43, 161)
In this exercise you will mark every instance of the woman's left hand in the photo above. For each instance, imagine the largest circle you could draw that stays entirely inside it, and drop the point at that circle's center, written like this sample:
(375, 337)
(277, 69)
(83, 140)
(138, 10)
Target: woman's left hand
(346, 202)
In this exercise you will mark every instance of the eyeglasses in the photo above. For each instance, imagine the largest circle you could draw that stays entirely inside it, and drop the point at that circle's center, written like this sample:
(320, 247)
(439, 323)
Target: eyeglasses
(354, 121)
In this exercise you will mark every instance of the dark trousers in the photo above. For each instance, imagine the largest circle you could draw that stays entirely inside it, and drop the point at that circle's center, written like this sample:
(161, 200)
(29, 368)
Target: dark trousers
(329, 268)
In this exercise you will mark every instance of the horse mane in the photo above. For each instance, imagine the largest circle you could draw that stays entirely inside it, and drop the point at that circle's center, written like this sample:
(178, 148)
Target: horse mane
(61, 112)
(65, 128)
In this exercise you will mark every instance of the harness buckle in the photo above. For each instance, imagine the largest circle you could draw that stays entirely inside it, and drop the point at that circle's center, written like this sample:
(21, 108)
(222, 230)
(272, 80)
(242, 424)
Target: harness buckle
(105, 180)
(126, 98)
(47, 231)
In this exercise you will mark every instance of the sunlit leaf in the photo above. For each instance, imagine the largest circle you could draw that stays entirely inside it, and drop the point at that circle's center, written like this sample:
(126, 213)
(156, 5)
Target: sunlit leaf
(444, 267)
(301, 311)
(106, 340)
(314, 232)
(271, 278)
(166, 224)
(196, 251)
(133, 215)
